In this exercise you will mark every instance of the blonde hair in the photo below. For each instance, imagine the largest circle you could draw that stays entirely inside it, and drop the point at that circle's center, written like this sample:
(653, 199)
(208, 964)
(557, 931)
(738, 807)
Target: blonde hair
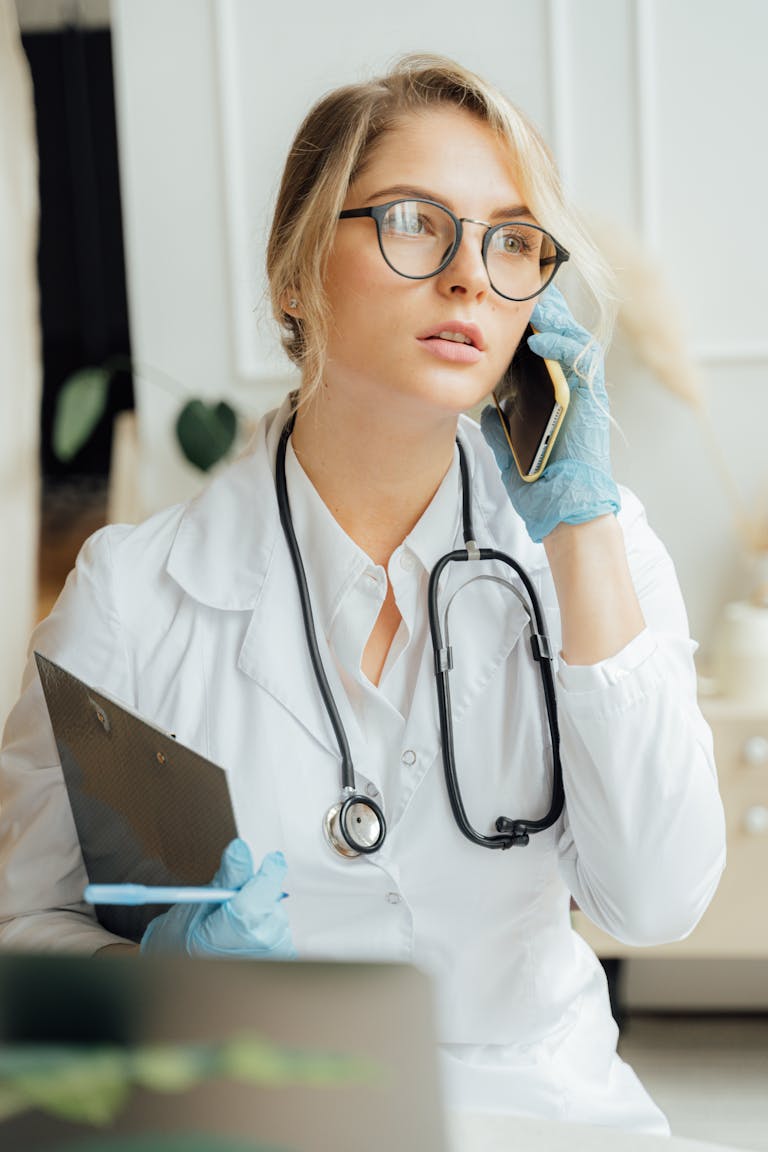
(330, 150)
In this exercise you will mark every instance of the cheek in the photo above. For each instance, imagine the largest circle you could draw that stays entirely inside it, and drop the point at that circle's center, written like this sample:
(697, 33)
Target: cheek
(512, 323)
(355, 277)
(368, 303)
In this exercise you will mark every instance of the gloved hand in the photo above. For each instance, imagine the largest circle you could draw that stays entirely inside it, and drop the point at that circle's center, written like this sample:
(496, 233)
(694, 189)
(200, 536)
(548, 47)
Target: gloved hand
(576, 484)
(251, 923)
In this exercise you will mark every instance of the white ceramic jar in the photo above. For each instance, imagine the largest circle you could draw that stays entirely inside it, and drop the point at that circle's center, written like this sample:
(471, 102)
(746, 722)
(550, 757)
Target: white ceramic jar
(741, 652)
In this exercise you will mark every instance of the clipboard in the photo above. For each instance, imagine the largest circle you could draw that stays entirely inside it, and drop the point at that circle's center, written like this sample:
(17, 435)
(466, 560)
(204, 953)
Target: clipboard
(147, 809)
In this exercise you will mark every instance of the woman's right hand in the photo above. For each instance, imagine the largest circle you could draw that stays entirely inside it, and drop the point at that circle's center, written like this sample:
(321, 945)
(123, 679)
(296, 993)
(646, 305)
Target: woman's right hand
(252, 923)
(577, 484)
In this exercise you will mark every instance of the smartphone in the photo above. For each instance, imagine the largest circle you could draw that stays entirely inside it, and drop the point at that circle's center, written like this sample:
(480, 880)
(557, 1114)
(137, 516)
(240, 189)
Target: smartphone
(531, 400)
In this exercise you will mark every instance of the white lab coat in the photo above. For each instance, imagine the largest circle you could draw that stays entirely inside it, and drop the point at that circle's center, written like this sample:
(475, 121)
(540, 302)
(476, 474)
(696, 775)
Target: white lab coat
(193, 619)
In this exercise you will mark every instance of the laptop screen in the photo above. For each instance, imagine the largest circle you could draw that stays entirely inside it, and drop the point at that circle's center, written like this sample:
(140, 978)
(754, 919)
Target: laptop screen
(160, 1054)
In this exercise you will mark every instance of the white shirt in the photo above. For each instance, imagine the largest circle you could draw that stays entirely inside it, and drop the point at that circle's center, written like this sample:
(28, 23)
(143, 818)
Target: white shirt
(347, 591)
(193, 618)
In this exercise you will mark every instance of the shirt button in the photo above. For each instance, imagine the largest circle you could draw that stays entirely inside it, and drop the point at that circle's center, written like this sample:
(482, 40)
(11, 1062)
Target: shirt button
(408, 757)
(372, 790)
(393, 897)
(407, 562)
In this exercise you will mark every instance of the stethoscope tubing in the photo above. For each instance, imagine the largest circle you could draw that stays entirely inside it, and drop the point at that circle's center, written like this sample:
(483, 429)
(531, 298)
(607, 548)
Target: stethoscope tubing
(348, 789)
(347, 770)
(510, 832)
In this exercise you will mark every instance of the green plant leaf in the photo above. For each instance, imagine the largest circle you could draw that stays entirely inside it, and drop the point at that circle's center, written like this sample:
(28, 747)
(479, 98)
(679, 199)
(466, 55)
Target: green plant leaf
(80, 405)
(206, 432)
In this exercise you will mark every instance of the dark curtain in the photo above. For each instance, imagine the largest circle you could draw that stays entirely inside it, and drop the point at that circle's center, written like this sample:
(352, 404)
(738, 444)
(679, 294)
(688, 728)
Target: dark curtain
(81, 264)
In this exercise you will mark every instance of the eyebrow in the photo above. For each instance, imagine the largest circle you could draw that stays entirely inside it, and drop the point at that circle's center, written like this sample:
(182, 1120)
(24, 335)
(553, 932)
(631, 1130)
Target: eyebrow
(510, 212)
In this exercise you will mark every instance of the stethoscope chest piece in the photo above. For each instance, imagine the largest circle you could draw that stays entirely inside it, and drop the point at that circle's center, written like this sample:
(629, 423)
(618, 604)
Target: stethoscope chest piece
(355, 826)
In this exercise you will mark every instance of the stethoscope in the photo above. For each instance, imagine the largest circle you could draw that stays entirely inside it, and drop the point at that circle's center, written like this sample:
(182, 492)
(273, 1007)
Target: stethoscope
(355, 825)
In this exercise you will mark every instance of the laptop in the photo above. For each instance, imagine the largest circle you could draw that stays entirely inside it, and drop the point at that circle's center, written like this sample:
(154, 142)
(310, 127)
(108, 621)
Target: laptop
(166, 1054)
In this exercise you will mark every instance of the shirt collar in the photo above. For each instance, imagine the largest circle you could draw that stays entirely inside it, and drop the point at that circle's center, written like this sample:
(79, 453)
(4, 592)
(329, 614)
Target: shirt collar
(335, 562)
(435, 532)
(225, 544)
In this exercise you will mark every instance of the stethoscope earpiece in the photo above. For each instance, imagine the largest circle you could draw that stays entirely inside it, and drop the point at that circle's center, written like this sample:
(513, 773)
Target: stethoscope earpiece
(355, 827)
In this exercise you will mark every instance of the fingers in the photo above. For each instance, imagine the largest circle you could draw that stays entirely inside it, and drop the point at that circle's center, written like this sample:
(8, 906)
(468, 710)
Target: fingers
(236, 871)
(236, 867)
(261, 895)
(256, 913)
(552, 314)
(560, 337)
(567, 350)
(271, 876)
(254, 921)
(268, 933)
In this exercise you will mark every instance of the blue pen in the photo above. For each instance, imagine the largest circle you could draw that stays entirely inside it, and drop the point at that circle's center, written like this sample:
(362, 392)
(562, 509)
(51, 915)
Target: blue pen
(134, 894)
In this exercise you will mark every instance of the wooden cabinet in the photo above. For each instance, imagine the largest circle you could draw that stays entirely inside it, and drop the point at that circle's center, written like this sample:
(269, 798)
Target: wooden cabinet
(736, 923)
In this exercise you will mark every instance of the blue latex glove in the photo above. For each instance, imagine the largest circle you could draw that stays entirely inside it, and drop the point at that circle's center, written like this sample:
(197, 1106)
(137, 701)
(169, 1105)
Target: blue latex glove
(252, 923)
(576, 484)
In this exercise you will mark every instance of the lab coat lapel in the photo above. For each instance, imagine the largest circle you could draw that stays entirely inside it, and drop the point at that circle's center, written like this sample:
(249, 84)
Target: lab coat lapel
(276, 656)
(230, 554)
(275, 653)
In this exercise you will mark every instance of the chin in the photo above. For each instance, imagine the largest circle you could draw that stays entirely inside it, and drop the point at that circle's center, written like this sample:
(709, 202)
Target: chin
(457, 398)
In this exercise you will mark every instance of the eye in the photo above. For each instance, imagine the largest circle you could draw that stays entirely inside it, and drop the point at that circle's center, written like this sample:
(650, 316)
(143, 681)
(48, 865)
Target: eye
(515, 240)
(405, 219)
(419, 220)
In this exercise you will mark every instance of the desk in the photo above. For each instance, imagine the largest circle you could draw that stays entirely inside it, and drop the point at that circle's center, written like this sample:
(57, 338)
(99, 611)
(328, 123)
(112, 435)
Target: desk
(470, 1133)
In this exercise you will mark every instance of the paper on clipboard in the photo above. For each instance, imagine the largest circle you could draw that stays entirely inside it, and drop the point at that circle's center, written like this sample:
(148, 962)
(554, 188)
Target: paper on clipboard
(147, 809)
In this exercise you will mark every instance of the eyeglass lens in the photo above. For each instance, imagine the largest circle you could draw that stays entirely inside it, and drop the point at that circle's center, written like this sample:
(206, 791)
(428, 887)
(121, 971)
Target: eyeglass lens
(417, 237)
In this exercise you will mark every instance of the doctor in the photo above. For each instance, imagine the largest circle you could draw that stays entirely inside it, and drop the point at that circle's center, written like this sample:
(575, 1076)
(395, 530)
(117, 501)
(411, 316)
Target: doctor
(195, 619)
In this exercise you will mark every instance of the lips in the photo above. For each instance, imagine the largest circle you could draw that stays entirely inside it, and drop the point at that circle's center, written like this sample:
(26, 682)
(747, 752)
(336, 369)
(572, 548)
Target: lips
(456, 332)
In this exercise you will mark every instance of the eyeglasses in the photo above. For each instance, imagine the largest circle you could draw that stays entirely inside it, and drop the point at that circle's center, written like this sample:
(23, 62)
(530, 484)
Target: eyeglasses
(419, 238)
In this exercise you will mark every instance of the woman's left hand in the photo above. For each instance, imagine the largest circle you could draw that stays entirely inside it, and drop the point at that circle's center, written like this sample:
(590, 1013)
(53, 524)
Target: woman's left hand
(252, 923)
(577, 484)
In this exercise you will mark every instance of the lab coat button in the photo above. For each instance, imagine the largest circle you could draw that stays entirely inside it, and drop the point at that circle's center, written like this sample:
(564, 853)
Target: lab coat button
(372, 790)
(407, 562)
(408, 757)
(393, 897)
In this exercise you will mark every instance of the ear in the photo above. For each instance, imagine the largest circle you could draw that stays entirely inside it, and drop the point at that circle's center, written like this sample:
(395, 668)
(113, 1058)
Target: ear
(291, 304)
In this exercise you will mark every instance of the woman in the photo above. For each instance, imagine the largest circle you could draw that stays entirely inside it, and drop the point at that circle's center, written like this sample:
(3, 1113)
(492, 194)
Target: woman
(195, 619)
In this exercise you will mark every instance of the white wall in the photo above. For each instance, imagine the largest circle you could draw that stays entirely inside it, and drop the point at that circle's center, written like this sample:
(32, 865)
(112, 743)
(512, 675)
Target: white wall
(654, 109)
(20, 372)
(207, 106)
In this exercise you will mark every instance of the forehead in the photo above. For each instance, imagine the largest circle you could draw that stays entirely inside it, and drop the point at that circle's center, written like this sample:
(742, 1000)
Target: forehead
(447, 151)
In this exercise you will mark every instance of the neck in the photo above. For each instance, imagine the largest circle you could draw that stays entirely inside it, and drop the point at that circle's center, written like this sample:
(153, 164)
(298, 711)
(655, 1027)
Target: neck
(376, 471)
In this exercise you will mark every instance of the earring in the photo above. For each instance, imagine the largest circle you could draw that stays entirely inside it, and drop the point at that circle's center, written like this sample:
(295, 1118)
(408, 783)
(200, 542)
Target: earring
(293, 302)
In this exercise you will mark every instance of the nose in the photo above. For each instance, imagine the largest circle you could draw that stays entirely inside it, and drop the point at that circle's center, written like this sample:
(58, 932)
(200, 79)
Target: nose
(466, 274)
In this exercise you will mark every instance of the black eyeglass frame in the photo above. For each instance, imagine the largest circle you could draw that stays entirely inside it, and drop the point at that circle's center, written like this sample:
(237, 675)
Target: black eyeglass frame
(378, 211)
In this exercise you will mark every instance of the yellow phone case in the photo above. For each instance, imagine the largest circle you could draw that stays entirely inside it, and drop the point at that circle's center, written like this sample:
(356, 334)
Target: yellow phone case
(562, 395)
